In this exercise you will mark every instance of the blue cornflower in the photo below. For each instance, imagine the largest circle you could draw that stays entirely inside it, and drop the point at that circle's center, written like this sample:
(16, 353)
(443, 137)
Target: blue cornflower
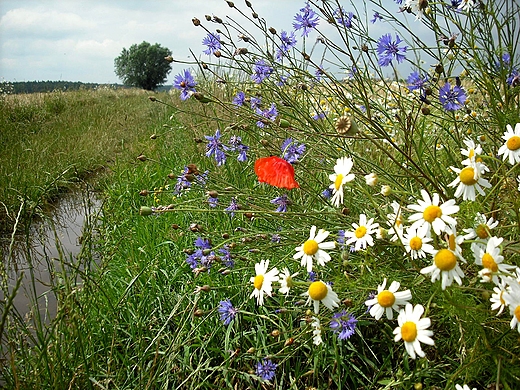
(212, 41)
(256, 102)
(226, 257)
(213, 201)
(341, 239)
(318, 73)
(261, 71)
(327, 193)
(388, 50)
(288, 42)
(319, 115)
(343, 324)
(399, 1)
(513, 79)
(306, 21)
(185, 83)
(344, 18)
(312, 276)
(233, 206)
(282, 80)
(202, 254)
(291, 150)
(266, 369)
(452, 98)
(239, 99)
(202, 243)
(282, 202)
(182, 182)
(416, 81)
(227, 311)
(269, 114)
(376, 17)
(276, 238)
(216, 148)
(236, 145)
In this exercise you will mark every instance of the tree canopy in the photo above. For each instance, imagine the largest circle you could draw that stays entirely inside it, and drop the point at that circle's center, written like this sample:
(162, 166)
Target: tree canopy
(143, 65)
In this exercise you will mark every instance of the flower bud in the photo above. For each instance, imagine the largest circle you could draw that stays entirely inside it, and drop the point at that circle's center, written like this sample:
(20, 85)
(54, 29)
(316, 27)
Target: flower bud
(272, 30)
(198, 313)
(152, 98)
(288, 342)
(145, 211)
(168, 58)
(251, 350)
(386, 190)
(196, 22)
(275, 333)
(144, 192)
(141, 157)
(213, 194)
(208, 18)
(230, 3)
(284, 123)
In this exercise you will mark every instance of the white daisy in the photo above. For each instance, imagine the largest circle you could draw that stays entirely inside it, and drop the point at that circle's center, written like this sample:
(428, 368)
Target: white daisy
(491, 259)
(512, 299)
(340, 176)
(413, 330)
(286, 281)
(444, 267)
(263, 281)
(469, 179)
(388, 300)
(511, 148)
(321, 292)
(497, 298)
(417, 6)
(481, 229)
(430, 213)
(316, 331)
(471, 152)
(463, 387)
(362, 234)
(395, 221)
(371, 179)
(314, 247)
(416, 242)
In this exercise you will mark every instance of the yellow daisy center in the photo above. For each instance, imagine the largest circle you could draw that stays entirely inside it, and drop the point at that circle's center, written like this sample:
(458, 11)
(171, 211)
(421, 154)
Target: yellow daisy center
(489, 262)
(259, 280)
(467, 176)
(310, 247)
(409, 331)
(416, 243)
(513, 143)
(360, 231)
(517, 313)
(318, 291)
(431, 213)
(481, 231)
(338, 182)
(451, 242)
(445, 260)
(471, 154)
(386, 298)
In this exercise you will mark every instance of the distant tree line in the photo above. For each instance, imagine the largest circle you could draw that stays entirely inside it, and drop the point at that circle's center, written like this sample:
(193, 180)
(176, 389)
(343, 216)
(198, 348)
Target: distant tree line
(49, 86)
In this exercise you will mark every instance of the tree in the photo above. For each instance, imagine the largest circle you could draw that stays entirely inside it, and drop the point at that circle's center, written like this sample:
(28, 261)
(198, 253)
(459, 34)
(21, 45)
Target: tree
(143, 65)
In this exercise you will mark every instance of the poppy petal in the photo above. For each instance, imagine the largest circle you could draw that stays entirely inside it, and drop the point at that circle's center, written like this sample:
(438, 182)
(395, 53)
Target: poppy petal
(276, 172)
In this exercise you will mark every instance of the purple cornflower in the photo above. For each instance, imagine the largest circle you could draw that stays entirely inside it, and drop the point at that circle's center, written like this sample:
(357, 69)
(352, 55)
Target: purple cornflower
(269, 114)
(256, 102)
(227, 311)
(288, 42)
(185, 83)
(226, 257)
(182, 182)
(282, 80)
(276, 238)
(266, 369)
(236, 145)
(389, 50)
(452, 98)
(513, 79)
(233, 206)
(327, 193)
(261, 71)
(371, 295)
(376, 17)
(239, 99)
(319, 115)
(212, 201)
(291, 150)
(344, 18)
(212, 41)
(416, 81)
(343, 324)
(202, 254)
(282, 202)
(341, 239)
(306, 21)
(312, 276)
(202, 243)
(216, 148)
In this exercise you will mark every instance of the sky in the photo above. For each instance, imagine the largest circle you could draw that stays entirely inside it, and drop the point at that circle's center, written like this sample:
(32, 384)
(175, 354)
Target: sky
(72, 40)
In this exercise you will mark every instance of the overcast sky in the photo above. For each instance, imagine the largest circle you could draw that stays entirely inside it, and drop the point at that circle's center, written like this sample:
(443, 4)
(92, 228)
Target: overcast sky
(74, 40)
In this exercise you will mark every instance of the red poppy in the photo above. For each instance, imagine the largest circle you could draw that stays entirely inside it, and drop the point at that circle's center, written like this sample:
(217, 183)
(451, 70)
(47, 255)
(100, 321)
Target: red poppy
(276, 172)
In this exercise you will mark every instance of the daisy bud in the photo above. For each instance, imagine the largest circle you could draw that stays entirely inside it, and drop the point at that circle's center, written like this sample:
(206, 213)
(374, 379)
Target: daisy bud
(371, 179)
(418, 386)
(386, 190)
(284, 123)
(145, 211)
(275, 333)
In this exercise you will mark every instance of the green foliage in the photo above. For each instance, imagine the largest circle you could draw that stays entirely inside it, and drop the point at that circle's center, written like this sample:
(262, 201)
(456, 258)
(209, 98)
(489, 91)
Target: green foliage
(144, 65)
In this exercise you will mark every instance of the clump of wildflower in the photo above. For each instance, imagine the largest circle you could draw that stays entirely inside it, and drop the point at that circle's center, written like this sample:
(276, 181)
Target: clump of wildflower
(417, 243)
(216, 148)
(227, 311)
(343, 324)
(236, 145)
(343, 18)
(292, 150)
(266, 369)
(376, 17)
(491, 259)
(389, 50)
(452, 98)
(239, 99)
(212, 42)
(261, 71)
(469, 181)
(262, 281)
(306, 20)
(233, 206)
(288, 42)
(413, 330)
(416, 81)
(185, 83)
(387, 300)
(202, 255)
(269, 114)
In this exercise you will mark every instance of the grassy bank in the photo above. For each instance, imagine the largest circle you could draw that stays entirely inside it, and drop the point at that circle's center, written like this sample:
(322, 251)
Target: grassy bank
(49, 140)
